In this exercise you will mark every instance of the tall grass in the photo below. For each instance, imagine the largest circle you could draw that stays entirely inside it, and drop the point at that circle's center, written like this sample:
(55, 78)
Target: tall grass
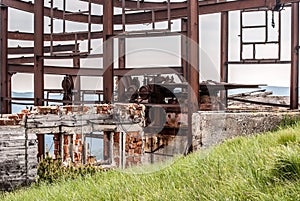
(262, 167)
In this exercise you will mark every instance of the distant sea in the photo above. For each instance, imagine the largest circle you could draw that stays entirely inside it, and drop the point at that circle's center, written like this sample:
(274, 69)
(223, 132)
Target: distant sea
(96, 145)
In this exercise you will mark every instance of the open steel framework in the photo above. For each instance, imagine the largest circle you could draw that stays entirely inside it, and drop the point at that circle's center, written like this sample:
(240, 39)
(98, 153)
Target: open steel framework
(152, 12)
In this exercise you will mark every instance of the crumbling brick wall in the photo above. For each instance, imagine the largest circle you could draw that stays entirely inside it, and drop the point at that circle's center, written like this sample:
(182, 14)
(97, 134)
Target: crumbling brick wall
(131, 152)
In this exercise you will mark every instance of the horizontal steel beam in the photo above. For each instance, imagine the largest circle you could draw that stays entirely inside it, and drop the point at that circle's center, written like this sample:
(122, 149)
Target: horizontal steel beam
(70, 36)
(84, 35)
(146, 17)
(259, 61)
(147, 70)
(58, 14)
(17, 68)
(22, 60)
(29, 50)
(142, 4)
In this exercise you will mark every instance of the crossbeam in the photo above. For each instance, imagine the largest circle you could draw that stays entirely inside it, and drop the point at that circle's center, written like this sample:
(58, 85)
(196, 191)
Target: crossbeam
(19, 68)
(146, 17)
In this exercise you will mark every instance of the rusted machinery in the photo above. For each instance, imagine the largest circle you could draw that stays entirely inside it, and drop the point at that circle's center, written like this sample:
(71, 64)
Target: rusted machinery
(67, 85)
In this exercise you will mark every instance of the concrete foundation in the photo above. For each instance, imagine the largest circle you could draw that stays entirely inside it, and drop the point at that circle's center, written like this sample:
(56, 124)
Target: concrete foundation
(211, 128)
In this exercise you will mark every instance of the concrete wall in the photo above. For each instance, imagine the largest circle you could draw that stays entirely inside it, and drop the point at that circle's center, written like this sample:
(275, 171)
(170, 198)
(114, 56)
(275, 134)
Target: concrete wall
(18, 157)
(210, 128)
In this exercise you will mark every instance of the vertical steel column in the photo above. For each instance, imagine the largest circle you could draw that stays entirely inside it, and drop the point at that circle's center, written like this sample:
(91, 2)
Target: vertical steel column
(193, 65)
(224, 55)
(108, 75)
(9, 90)
(39, 64)
(76, 64)
(184, 41)
(4, 92)
(122, 65)
(76, 78)
(294, 93)
(38, 52)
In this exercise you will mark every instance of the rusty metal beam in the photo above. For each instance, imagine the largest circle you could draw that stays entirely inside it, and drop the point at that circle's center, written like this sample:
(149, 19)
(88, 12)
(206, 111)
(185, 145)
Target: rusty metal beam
(147, 70)
(39, 65)
(4, 88)
(294, 87)
(18, 68)
(84, 36)
(122, 65)
(70, 36)
(206, 8)
(108, 51)
(22, 60)
(184, 44)
(146, 17)
(38, 52)
(259, 61)
(143, 5)
(30, 50)
(58, 14)
(76, 79)
(193, 66)
(9, 92)
(224, 55)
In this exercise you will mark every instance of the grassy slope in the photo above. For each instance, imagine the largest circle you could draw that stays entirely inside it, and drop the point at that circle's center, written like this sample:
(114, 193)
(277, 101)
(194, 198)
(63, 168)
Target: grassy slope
(239, 169)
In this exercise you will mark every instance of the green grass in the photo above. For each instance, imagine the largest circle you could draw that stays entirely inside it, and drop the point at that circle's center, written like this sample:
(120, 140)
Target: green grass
(262, 167)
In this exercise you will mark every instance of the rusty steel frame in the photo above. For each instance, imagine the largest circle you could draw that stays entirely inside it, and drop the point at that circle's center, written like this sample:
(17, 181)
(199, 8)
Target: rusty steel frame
(187, 11)
(266, 41)
(205, 7)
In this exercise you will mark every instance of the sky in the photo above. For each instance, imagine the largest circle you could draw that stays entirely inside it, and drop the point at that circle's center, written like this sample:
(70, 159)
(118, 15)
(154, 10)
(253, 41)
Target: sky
(165, 51)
